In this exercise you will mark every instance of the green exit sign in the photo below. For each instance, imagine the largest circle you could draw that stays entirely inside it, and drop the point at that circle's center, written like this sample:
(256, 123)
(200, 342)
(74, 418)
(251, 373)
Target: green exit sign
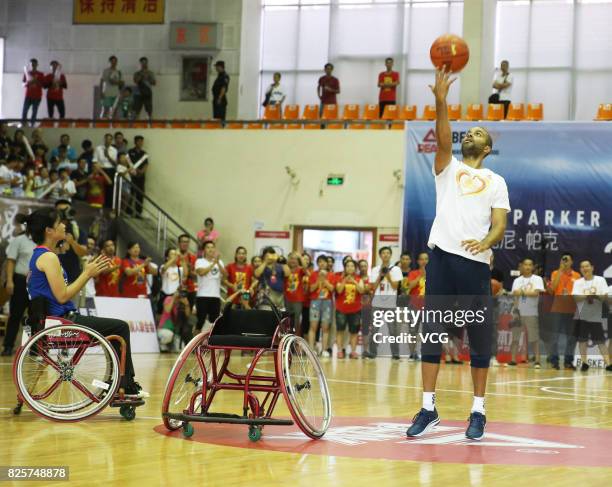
(335, 180)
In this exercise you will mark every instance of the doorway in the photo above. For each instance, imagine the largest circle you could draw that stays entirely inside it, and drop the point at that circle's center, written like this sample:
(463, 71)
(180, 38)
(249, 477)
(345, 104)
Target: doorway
(359, 243)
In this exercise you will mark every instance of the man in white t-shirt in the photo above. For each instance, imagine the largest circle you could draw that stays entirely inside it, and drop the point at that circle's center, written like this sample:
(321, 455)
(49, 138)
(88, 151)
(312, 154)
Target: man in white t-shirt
(526, 290)
(590, 292)
(210, 271)
(384, 281)
(502, 85)
(106, 154)
(471, 212)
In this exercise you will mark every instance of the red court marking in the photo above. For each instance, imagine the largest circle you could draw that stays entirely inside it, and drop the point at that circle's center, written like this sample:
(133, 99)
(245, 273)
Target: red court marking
(384, 438)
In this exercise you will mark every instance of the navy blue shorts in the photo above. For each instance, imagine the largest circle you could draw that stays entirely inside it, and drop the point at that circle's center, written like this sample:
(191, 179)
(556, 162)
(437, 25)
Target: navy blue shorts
(459, 287)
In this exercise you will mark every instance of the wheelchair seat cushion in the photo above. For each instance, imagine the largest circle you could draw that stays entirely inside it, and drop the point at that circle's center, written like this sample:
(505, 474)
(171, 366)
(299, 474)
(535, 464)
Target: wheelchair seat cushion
(244, 328)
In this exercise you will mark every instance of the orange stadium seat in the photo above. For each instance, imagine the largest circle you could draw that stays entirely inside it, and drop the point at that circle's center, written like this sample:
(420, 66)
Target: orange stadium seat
(516, 112)
(190, 124)
(140, 124)
(82, 123)
(292, 112)
(272, 112)
(474, 112)
(120, 124)
(351, 113)
(330, 112)
(454, 112)
(535, 112)
(102, 124)
(177, 124)
(234, 125)
(311, 112)
(47, 123)
(64, 124)
(604, 112)
(159, 125)
(429, 112)
(372, 112)
(409, 112)
(495, 112)
(212, 124)
(393, 112)
(255, 126)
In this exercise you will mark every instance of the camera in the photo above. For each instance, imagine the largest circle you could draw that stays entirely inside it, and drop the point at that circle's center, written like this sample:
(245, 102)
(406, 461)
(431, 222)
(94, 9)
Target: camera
(384, 270)
(183, 293)
(66, 214)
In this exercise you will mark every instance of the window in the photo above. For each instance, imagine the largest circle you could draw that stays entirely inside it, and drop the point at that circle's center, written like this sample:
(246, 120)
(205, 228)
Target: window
(300, 36)
(560, 52)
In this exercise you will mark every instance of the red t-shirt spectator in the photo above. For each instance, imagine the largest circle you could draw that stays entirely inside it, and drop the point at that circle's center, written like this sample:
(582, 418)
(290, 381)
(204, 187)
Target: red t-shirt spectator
(305, 287)
(239, 276)
(35, 90)
(328, 97)
(135, 285)
(418, 290)
(389, 93)
(294, 286)
(55, 92)
(323, 293)
(349, 300)
(191, 260)
(96, 191)
(107, 284)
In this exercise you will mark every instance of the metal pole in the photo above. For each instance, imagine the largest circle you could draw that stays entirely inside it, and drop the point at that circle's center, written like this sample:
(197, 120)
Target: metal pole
(159, 216)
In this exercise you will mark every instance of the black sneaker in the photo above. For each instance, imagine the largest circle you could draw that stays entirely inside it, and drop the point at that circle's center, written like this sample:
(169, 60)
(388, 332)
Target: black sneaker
(512, 363)
(368, 355)
(133, 389)
(423, 422)
(556, 366)
(609, 368)
(584, 367)
(456, 362)
(568, 366)
(395, 357)
(476, 427)
(7, 352)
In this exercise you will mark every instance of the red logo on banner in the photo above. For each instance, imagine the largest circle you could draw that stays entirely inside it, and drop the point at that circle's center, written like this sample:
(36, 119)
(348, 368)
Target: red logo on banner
(389, 237)
(264, 234)
(429, 143)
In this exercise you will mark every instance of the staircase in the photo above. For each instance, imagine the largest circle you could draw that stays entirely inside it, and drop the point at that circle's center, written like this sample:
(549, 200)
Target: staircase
(155, 230)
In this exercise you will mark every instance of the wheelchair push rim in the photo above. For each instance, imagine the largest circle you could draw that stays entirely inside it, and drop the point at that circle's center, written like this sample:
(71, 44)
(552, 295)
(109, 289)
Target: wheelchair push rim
(184, 389)
(67, 373)
(304, 386)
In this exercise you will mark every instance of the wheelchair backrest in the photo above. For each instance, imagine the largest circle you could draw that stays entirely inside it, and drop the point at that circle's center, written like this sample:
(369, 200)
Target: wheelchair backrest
(241, 321)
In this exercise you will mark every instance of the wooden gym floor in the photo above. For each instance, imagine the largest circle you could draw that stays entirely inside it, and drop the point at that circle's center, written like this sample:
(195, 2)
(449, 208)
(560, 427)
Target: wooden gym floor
(561, 408)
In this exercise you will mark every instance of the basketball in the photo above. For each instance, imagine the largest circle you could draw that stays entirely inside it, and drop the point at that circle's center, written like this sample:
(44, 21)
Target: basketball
(450, 51)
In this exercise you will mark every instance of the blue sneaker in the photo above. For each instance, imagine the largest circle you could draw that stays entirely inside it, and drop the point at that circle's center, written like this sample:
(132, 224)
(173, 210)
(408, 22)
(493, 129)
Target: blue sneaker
(423, 422)
(476, 427)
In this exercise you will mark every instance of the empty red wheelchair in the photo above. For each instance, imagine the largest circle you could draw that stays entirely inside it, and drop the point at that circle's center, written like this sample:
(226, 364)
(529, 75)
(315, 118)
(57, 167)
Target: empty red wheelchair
(203, 369)
(68, 372)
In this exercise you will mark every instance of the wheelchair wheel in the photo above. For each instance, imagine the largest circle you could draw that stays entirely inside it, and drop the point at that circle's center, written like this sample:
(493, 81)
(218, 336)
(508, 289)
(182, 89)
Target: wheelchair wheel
(184, 388)
(304, 386)
(67, 373)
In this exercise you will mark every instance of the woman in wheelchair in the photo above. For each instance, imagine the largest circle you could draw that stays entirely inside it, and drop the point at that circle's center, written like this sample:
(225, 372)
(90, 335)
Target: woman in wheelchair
(48, 279)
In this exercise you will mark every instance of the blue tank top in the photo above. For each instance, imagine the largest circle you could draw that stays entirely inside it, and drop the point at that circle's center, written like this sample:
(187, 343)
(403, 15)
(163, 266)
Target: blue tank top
(38, 285)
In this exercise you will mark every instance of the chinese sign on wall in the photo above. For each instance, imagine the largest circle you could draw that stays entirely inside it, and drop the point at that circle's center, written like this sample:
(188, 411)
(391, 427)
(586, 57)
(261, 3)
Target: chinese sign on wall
(118, 11)
(195, 35)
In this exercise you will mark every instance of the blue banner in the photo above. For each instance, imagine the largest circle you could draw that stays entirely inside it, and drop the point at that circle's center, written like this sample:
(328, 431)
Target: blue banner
(559, 178)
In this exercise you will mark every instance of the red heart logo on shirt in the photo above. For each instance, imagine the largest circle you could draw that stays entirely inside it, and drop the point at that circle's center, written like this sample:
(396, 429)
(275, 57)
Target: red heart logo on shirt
(471, 183)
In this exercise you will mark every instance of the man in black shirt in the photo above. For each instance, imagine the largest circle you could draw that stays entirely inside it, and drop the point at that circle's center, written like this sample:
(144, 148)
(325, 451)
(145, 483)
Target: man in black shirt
(138, 179)
(219, 91)
(87, 154)
(74, 246)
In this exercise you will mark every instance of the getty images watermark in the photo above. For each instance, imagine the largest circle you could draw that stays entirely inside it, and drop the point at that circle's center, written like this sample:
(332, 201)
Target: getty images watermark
(400, 324)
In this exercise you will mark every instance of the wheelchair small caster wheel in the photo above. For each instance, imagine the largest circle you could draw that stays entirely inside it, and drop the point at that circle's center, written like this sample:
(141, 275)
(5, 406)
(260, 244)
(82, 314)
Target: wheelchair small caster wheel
(128, 412)
(17, 410)
(187, 430)
(254, 433)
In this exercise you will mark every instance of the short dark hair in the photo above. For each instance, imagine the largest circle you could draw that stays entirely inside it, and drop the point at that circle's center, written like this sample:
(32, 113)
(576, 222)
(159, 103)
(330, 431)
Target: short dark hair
(168, 252)
(108, 134)
(330, 257)
(527, 258)
(220, 63)
(586, 260)
(209, 219)
(118, 133)
(137, 138)
(421, 253)
(571, 256)
(63, 169)
(62, 201)
(380, 251)
(34, 60)
(37, 222)
(207, 242)
(389, 59)
(405, 253)
(112, 57)
(65, 135)
(321, 257)
(86, 144)
(143, 58)
(183, 235)
(267, 250)
(328, 64)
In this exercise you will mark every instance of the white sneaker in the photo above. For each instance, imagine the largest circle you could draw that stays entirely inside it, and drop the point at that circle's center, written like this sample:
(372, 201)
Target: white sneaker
(325, 354)
(495, 363)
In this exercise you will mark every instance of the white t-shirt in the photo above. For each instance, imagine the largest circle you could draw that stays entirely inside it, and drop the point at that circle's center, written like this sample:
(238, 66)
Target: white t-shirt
(384, 295)
(528, 305)
(464, 200)
(209, 286)
(100, 156)
(276, 94)
(67, 189)
(171, 279)
(506, 93)
(590, 311)
(17, 191)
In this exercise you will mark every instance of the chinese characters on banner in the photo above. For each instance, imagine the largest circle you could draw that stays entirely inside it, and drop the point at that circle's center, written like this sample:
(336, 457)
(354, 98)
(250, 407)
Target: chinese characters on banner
(118, 11)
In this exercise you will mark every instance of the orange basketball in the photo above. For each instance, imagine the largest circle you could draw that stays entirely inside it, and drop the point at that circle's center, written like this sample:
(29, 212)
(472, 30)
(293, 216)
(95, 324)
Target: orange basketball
(450, 51)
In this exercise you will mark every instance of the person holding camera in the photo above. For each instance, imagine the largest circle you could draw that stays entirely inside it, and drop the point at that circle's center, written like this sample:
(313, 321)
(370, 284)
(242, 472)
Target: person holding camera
(135, 269)
(272, 274)
(74, 246)
(175, 323)
(384, 281)
(562, 313)
(172, 276)
(209, 269)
